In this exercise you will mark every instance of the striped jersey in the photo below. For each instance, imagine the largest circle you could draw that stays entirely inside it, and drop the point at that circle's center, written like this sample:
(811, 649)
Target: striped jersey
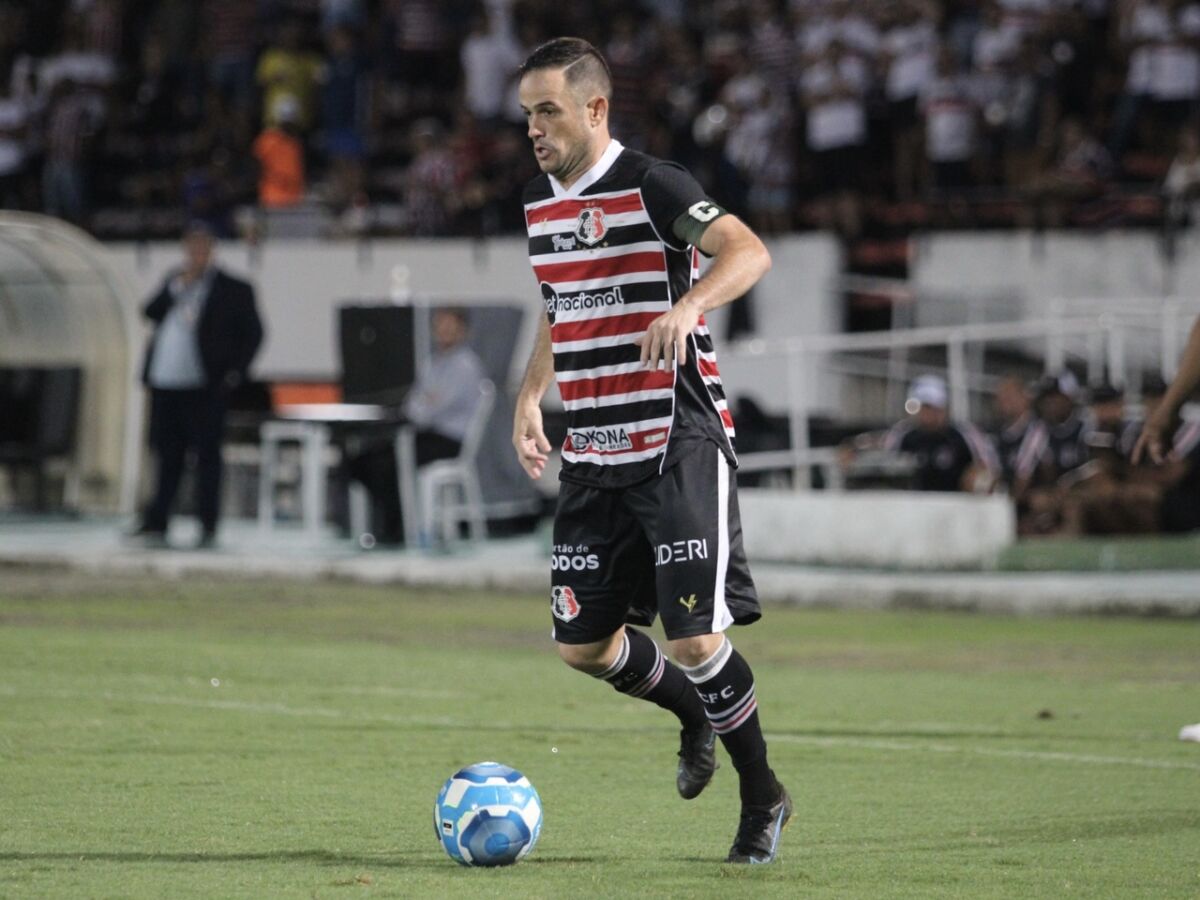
(608, 264)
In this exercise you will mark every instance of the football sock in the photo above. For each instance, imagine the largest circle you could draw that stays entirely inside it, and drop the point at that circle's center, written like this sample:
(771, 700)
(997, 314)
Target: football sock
(640, 670)
(725, 686)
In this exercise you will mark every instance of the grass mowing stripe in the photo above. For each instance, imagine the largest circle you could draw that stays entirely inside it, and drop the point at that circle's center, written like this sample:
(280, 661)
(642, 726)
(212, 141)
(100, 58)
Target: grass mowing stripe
(283, 709)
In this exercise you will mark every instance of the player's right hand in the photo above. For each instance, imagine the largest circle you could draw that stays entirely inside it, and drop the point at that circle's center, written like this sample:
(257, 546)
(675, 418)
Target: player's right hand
(529, 439)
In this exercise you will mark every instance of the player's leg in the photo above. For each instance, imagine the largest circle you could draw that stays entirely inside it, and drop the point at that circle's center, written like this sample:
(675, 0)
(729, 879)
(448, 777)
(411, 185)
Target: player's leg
(601, 577)
(704, 586)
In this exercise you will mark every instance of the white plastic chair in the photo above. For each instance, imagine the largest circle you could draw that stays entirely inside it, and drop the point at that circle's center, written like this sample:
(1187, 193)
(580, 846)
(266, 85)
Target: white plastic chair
(449, 488)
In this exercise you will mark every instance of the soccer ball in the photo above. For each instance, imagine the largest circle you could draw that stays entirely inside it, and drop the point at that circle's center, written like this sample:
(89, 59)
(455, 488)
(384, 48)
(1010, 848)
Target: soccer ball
(487, 815)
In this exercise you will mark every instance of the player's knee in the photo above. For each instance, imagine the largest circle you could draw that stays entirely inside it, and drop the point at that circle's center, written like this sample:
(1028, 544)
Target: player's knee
(590, 658)
(691, 651)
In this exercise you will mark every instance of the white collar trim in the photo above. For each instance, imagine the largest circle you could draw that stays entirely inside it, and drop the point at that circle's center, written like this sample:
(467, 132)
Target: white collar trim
(592, 175)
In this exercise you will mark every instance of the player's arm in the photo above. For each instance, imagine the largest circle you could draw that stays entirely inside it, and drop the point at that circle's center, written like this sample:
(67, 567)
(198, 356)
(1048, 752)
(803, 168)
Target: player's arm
(1156, 433)
(739, 260)
(528, 437)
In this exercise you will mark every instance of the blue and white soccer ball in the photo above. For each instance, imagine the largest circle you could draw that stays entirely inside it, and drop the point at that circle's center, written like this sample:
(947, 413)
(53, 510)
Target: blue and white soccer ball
(487, 815)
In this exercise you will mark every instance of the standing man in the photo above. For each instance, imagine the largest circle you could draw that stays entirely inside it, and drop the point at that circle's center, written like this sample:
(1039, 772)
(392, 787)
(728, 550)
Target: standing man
(647, 519)
(206, 332)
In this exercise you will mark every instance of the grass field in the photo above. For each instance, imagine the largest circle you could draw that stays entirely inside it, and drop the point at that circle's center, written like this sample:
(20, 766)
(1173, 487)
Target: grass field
(266, 739)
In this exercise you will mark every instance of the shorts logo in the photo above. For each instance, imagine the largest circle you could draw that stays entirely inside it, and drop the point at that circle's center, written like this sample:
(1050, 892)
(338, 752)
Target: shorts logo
(598, 440)
(590, 227)
(563, 242)
(563, 603)
(681, 551)
(689, 603)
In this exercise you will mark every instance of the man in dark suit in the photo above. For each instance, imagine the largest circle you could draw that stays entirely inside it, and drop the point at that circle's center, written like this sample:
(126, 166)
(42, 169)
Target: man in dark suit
(206, 332)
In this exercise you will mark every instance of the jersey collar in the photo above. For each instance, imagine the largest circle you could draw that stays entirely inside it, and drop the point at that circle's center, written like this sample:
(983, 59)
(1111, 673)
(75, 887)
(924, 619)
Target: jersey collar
(592, 175)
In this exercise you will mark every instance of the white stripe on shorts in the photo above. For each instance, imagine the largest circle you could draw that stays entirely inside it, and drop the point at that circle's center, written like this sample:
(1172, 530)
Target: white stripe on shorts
(722, 617)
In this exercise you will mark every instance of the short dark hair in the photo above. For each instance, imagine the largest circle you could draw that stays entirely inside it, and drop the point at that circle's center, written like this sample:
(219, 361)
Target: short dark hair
(580, 60)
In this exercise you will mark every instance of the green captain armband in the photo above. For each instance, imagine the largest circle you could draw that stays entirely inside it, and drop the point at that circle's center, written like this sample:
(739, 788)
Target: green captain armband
(691, 225)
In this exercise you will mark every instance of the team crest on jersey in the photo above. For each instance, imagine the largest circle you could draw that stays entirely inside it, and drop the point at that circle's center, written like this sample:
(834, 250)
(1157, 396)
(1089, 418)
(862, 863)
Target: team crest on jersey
(590, 227)
(563, 603)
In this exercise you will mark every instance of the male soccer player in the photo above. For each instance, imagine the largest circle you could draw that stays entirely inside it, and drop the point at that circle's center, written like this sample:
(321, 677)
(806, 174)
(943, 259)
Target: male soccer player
(1155, 439)
(647, 521)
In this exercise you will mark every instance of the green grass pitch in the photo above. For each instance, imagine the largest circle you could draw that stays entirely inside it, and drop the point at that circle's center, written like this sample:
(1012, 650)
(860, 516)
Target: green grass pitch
(272, 739)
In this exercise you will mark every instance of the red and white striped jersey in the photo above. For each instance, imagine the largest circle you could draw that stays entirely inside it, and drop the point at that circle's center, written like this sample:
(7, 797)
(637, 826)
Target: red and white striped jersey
(608, 263)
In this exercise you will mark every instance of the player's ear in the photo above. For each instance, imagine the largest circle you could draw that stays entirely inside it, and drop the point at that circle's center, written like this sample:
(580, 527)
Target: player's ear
(597, 110)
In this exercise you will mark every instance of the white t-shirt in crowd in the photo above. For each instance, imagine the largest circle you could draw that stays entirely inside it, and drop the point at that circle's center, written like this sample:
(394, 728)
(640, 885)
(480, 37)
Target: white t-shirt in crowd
(913, 49)
(950, 119)
(836, 120)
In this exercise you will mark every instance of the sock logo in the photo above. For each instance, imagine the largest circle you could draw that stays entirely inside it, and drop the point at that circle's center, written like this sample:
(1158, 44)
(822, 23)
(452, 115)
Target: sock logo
(723, 694)
(688, 603)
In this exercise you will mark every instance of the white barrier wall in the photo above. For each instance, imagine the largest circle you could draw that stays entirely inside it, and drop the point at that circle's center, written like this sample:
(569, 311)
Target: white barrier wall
(876, 528)
(301, 283)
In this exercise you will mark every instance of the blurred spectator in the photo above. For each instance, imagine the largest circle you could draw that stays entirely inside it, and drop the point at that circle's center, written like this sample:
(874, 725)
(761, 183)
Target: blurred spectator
(947, 455)
(421, 49)
(909, 59)
(72, 125)
(431, 183)
(950, 115)
(760, 146)
(1056, 452)
(280, 156)
(287, 70)
(627, 52)
(1081, 170)
(229, 30)
(1018, 436)
(1181, 187)
(1179, 474)
(440, 406)
(345, 113)
(490, 57)
(835, 90)
(206, 333)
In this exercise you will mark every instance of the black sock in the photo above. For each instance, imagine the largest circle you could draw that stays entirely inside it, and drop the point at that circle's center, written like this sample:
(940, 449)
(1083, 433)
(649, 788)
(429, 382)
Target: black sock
(725, 686)
(641, 670)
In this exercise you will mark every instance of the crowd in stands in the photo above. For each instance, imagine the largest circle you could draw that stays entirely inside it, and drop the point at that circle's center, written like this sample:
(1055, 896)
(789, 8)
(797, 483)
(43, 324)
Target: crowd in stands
(400, 116)
(1064, 453)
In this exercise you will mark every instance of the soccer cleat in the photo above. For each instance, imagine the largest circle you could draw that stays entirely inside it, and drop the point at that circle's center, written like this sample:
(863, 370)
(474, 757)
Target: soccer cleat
(1190, 733)
(758, 832)
(697, 760)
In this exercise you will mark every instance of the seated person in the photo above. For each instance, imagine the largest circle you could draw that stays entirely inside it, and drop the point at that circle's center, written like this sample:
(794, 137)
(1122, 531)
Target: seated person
(948, 455)
(1058, 450)
(440, 405)
(1178, 478)
(1018, 435)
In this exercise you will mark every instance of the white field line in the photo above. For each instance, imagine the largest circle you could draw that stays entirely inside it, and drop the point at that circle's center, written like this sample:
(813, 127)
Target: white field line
(881, 744)
(1042, 755)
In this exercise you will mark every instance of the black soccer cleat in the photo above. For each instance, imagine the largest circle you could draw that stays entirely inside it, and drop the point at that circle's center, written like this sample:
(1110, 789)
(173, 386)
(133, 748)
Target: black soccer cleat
(697, 760)
(758, 832)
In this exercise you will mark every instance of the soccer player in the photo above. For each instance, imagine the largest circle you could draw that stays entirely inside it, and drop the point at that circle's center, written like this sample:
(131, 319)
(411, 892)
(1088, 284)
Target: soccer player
(1155, 439)
(647, 521)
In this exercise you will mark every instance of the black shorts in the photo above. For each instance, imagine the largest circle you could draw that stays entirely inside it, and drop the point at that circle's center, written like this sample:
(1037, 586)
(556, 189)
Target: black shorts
(671, 546)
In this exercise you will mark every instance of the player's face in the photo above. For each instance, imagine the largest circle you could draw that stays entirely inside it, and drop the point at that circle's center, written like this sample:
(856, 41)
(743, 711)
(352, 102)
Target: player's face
(560, 124)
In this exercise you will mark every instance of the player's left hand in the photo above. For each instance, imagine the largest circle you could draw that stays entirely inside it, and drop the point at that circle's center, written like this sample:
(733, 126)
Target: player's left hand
(665, 340)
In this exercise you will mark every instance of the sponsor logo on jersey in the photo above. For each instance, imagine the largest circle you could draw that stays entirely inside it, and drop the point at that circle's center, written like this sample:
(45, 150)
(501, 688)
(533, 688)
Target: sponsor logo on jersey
(587, 440)
(688, 603)
(681, 551)
(563, 242)
(590, 226)
(574, 562)
(563, 603)
(559, 303)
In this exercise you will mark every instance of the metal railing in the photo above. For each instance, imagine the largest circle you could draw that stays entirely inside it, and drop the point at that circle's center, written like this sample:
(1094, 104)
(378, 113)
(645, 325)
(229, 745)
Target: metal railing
(1101, 344)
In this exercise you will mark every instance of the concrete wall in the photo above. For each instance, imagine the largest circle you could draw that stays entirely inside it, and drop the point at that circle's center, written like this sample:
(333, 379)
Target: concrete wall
(876, 528)
(301, 283)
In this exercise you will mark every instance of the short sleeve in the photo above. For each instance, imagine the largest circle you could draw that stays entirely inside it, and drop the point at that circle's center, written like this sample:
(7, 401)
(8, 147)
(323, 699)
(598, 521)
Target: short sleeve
(669, 190)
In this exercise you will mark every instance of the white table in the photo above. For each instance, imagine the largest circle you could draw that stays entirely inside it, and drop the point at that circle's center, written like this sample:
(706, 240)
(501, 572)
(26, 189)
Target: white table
(310, 425)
